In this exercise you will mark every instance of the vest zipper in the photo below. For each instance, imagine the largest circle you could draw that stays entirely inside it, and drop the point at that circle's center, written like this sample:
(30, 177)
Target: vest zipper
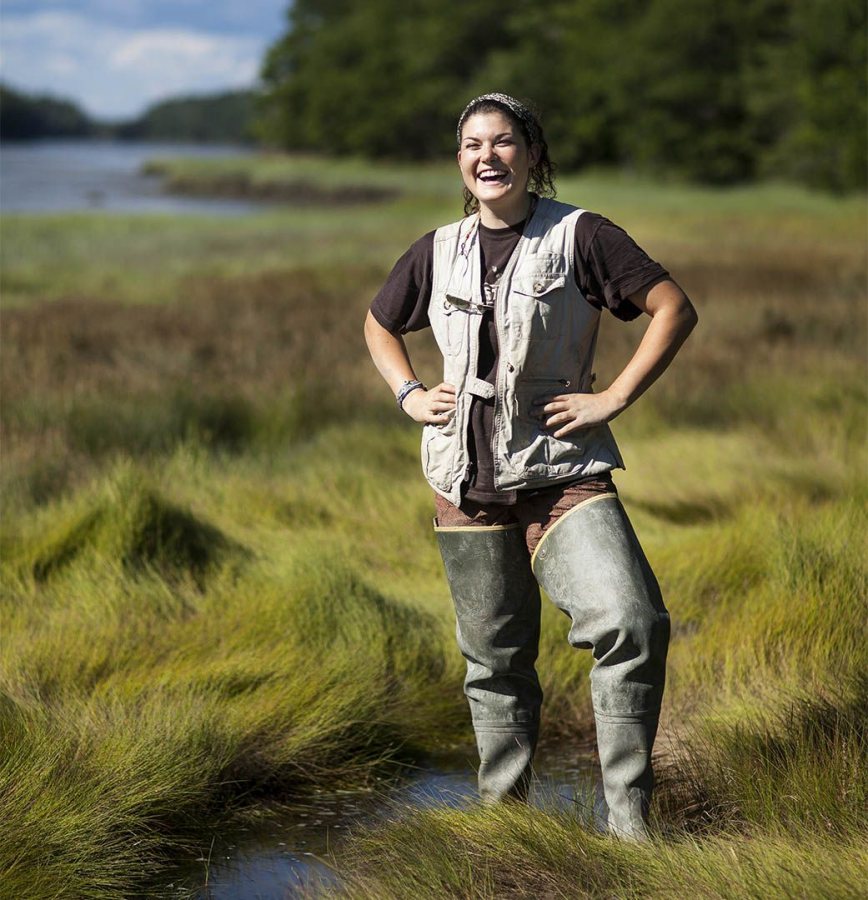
(507, 273)
(497, 402)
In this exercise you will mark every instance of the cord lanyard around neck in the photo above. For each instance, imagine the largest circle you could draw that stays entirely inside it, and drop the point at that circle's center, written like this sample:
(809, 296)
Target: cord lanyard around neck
(469, 241)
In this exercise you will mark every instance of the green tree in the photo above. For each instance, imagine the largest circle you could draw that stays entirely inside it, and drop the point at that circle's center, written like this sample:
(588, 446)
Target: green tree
(711, 90)
(566, 56)
(810, 87)
(384, 78)
(25, 117)
(225, 117)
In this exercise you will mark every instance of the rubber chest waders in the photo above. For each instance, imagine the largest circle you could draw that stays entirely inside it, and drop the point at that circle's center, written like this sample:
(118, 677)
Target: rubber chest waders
(592, 567)
(497, 610)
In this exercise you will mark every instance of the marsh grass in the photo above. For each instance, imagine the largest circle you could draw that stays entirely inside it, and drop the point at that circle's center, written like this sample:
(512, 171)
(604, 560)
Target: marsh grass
(220, 587)
(773, 806)
(518, 853)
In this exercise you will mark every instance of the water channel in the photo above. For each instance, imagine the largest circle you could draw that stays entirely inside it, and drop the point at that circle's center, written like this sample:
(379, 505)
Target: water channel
(291, 854)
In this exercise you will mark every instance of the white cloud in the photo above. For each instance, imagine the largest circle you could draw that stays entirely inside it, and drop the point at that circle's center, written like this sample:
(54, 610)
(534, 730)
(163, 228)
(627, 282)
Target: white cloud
(116, 71)
(62, 65)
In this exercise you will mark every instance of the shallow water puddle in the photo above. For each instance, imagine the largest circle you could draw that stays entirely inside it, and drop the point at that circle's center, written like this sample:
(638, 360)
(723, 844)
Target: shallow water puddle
(285, 857)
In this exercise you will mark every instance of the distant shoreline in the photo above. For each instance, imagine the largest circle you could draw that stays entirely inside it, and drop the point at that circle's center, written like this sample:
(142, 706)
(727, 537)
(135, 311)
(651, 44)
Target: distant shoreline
(241, 185)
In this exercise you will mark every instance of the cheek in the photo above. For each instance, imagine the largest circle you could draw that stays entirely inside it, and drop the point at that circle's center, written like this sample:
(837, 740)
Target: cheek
(520, 162)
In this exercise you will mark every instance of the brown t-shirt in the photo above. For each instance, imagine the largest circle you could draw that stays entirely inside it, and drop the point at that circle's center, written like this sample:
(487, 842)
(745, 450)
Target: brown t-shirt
(609, 267)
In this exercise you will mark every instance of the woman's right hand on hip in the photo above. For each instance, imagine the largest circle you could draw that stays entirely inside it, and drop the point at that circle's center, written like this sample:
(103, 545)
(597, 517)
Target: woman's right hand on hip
(432, 407)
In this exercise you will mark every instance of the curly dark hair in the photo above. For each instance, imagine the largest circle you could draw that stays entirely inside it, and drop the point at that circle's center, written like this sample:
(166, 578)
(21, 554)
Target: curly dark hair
(541, 178)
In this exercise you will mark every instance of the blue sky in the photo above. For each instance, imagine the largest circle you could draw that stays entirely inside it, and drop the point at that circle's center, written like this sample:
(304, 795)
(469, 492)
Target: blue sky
(115, 57)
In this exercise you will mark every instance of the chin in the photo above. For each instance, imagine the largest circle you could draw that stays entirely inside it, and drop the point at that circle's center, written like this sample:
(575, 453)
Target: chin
(492, 196)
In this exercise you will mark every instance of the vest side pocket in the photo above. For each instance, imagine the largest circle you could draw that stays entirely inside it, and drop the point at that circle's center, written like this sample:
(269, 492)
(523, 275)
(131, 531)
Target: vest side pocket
(528, 444)
(439, 448)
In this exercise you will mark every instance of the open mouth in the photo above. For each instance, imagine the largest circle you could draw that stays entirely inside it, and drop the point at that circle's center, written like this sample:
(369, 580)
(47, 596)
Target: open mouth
(493, 176)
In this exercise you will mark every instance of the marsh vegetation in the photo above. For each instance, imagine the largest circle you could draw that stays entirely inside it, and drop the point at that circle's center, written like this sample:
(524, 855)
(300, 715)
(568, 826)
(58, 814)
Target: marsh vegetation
(221, 589)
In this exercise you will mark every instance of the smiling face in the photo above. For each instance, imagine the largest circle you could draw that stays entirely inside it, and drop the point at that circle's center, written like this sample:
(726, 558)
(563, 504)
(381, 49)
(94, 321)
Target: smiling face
(495, 161)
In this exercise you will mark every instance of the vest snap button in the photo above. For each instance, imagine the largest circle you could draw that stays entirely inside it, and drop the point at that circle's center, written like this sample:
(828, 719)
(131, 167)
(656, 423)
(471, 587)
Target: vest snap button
(510, 367)
(537, 287)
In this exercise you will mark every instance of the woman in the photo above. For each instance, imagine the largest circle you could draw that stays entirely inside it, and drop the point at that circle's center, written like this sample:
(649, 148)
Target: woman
(519, 452)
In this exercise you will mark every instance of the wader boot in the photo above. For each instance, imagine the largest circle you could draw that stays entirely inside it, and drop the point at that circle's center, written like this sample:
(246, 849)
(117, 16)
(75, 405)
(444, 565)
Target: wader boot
(592, 567)
(497, 611)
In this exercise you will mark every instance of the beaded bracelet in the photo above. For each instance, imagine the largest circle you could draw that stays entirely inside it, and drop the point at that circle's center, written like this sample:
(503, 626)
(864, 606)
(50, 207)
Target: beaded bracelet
(407, 387)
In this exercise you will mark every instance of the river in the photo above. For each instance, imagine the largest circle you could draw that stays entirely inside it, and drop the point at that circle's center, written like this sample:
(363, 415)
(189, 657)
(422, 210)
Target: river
(68, 176)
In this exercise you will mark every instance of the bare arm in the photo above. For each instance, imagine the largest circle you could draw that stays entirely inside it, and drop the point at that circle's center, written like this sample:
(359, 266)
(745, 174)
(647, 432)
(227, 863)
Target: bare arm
(672, 319)
(389, 354)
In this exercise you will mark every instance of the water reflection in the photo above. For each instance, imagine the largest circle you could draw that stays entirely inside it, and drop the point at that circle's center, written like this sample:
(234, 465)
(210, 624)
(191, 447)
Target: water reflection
(284, 857)
(69, 176)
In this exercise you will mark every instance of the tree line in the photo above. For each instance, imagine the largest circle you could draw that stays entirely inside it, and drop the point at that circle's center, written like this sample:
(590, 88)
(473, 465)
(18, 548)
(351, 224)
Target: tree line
(719, 91)
(26, 117)
(223, 118)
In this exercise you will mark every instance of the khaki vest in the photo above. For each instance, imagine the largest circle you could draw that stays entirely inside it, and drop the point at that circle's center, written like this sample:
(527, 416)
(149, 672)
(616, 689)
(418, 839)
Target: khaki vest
(547, 333)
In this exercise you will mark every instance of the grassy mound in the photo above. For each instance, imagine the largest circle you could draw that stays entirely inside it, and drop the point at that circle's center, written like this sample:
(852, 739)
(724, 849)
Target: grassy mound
(140, 706)
(141, 530)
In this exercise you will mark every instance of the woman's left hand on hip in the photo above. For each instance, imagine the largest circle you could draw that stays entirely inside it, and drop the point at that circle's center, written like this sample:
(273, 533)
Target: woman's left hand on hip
(567, 413)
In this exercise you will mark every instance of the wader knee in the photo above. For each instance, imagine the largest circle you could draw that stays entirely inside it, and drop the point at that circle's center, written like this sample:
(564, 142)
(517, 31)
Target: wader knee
(591, 565)
(497, 610)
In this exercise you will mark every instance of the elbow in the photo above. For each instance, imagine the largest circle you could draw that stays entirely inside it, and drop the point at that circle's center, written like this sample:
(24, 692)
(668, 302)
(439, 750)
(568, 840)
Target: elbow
(375, 333)
(685, 314)
(689, 317)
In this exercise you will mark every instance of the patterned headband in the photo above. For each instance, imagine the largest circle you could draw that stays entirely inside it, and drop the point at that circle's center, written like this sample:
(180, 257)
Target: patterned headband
(518, 109)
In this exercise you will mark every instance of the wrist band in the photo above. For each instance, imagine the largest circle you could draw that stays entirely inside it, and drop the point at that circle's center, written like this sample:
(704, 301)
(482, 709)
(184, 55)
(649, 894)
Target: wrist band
(407, 387)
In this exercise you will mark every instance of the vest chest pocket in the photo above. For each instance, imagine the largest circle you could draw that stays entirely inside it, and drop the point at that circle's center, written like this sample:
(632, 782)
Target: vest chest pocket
(452, 318)
(538, 297)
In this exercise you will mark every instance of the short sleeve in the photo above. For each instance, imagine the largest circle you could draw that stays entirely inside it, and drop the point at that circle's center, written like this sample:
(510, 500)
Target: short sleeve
(401, 305)
(610, 266)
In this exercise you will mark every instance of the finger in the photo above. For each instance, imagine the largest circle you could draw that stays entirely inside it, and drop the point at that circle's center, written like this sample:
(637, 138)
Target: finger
(556, 406)
(445, 387)
(539, 410)
(542, 400)
(571, 428)
(551, 409)
(442, 402)
(567, 429)
(441, 407)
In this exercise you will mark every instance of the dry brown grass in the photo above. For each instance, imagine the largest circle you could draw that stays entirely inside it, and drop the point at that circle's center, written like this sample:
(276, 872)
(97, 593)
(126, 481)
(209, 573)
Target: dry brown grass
(230, 353)
(228, 361)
